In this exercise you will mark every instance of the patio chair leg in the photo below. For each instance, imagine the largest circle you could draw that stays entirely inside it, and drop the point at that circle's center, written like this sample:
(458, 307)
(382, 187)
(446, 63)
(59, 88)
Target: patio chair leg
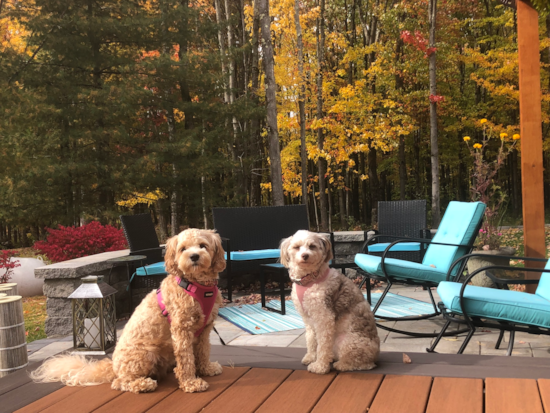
(511, 343)
(282, 287)
(379, 302)
(262, 285)
(436, 310)
(466, 340)
(438, 338)
(500, 337)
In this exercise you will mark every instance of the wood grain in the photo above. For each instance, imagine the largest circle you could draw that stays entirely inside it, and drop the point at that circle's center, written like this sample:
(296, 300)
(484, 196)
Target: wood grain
(195, 402)
(544, 390)
(399, 394)
(85, 401)
(298, 393)
(455, 395)
(249, 392)
(512, 396)
(350, 393)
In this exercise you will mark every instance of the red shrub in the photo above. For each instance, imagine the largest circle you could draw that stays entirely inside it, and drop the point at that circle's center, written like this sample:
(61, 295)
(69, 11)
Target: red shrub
(66, 243)
(7, 263)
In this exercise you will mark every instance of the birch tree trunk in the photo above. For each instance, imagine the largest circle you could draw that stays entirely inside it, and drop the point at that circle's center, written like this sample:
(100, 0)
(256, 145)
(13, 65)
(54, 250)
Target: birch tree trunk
(270, 95)
(255, 138)
(436, 215)
(321, 166)
(301, 102)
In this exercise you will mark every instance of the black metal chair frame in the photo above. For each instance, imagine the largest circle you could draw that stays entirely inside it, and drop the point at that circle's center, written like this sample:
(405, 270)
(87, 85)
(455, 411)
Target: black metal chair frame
(391, 280)
(473, 322)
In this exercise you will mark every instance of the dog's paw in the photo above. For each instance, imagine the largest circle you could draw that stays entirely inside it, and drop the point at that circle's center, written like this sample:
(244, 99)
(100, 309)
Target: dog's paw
(194, 385)
(340, 366)
(213, 369)
(308, 359)
(319, 368)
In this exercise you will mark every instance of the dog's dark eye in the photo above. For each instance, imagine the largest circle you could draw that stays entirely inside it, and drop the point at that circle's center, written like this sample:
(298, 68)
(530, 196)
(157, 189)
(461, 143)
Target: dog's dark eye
(203, 245)
(313, 247)
(296, 247)
(183, 249)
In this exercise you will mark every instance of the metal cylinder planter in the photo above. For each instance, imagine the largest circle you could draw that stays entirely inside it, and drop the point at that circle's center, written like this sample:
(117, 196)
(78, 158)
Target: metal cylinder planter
(13, 341)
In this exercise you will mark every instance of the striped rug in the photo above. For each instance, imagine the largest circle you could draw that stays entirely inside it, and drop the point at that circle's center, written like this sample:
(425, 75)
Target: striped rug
(253, 319)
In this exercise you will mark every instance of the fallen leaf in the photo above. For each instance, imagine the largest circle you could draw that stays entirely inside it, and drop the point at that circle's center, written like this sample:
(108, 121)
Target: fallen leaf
(406, 359)
(450, 339)
(522, 342)
(433, 266)
(258, 328)
(37, 328)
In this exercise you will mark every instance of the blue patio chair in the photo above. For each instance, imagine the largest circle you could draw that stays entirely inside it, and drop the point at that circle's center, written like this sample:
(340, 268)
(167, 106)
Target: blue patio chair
(454, 238)
(498, 308)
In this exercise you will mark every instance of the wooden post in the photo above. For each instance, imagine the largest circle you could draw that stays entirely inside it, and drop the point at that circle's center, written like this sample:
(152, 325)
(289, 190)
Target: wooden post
(531, 133)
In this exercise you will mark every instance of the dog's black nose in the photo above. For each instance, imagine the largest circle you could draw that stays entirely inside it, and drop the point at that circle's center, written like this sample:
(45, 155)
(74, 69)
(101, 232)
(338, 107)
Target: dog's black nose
(194, 257)
(305, 257)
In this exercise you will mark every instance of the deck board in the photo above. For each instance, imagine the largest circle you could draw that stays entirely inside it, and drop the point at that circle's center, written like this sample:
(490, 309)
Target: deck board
(49, 400)
(512, 396)
(456, 395)
(138, 403)
(544, 390)
(359, 390)
(298, 393)
(195, 402)
(399, 394)
(84, 401)
(249, 392)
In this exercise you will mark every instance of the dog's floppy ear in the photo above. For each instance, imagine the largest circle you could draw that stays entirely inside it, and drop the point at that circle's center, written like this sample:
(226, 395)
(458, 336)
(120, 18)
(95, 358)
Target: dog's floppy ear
(285, 256)
(170, 256)
(218, 256)
(327, 246)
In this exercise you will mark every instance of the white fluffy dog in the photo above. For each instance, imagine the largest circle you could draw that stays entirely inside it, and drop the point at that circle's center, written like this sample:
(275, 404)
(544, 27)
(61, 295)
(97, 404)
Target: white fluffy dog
(339, 323)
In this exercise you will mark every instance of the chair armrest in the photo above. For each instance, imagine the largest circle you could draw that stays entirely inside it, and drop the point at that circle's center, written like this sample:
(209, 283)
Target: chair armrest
(466, 257)
(140, 252)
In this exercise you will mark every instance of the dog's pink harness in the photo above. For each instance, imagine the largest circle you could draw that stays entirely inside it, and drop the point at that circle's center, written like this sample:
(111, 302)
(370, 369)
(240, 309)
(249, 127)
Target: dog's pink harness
(301, 288)
(206, 296)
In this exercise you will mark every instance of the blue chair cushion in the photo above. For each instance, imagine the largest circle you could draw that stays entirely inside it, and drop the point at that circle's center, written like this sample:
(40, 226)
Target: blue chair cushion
(402, 247)
(504, 305)
(152, 269)
(400, 269)
(254, 255)
(457, 227)
(544, 284)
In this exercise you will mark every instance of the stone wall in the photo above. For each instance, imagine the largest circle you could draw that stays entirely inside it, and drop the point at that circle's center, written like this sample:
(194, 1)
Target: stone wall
(61, 279)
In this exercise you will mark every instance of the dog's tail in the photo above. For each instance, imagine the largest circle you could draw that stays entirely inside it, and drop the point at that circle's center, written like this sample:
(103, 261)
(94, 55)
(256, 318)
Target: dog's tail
(74, 370)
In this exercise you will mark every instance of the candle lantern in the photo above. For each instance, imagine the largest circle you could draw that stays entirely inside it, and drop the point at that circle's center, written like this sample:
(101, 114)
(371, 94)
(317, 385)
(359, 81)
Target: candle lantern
(94, 316)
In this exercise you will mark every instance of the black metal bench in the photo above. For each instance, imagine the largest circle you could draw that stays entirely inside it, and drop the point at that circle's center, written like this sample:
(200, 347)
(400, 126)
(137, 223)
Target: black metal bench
(251, 235)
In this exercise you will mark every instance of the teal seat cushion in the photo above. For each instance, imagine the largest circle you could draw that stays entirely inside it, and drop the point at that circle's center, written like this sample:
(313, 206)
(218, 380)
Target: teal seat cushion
(544, 284)
(153, 269)
(401, 247)
(254, 255)
(458, 227)
(504, 305)
(400, 269)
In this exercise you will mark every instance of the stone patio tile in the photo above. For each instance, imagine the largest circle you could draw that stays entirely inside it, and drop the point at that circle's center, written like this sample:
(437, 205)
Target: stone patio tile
(227, 331)
(264, 340)
(412, 347)
(51, 350)
(301, 342)
(487, 348)
(451, 345)
(529, 338)
(541, 349)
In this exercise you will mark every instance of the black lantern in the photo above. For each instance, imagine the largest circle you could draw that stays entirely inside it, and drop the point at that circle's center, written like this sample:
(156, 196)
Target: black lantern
(94, 316)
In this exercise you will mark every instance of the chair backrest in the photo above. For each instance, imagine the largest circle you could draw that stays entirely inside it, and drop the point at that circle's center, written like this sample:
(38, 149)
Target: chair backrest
(401, 218)
(460, 226)
(256, 228)
(139, 231)
(543, 289)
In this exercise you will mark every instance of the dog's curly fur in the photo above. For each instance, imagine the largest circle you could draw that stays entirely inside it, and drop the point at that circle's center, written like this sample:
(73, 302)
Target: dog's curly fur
(339, 323)
(150, 345)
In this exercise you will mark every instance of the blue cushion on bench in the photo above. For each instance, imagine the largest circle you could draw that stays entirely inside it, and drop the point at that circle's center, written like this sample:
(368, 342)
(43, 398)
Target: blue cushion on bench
(400, 268)
(497, 304)
(402, 246)
(254, 255)
(153, 269)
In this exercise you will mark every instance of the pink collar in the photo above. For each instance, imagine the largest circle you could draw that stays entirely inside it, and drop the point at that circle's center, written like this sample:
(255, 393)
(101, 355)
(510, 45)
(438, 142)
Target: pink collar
(313, 277)
(301, 289)
(206, 296)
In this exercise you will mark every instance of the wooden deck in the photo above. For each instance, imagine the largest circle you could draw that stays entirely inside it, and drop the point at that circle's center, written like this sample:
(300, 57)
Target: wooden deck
(273, 381)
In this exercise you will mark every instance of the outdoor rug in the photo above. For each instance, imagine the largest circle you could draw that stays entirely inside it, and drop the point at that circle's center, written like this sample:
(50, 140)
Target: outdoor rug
(253, 319)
